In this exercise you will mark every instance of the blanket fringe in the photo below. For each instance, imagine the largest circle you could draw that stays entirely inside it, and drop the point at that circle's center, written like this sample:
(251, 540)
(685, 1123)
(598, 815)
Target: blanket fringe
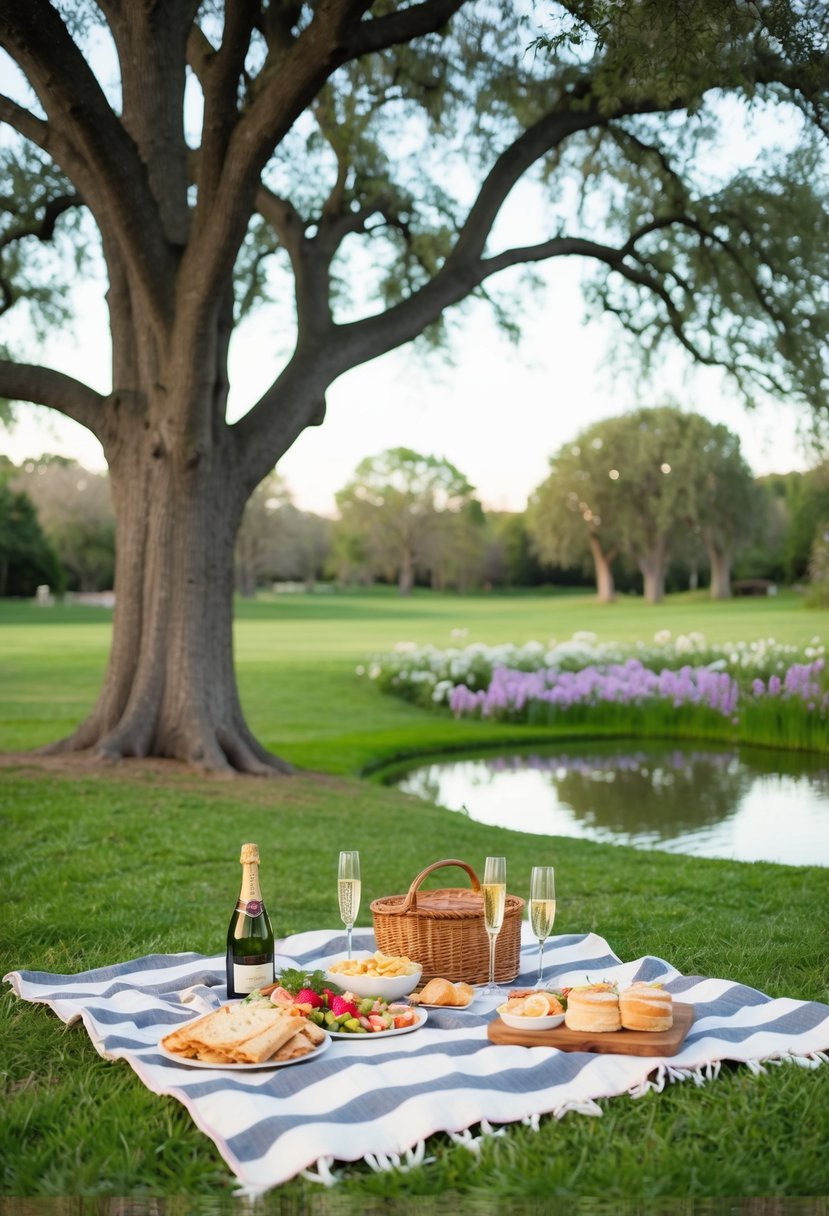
(324, 1175)
(402, 1162)
(467, 1138)
(585, 1107)
(663, 1075)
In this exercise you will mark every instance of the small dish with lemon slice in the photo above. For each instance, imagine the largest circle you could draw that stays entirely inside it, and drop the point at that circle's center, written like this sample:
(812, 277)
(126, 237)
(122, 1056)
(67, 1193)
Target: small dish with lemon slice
(539, 1010)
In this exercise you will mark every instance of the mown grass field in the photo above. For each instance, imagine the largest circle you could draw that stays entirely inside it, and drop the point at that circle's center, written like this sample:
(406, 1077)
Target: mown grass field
(99, 866)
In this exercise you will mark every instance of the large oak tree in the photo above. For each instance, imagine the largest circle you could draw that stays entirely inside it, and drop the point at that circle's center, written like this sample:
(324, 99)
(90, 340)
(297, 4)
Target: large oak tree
(368, 150)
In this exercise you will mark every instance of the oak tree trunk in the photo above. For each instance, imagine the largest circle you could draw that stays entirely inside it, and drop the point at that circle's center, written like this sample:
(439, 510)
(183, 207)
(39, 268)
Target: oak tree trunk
(177, 514)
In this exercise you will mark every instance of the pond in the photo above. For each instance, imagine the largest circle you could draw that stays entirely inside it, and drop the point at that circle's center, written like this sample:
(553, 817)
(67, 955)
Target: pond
(743, 804)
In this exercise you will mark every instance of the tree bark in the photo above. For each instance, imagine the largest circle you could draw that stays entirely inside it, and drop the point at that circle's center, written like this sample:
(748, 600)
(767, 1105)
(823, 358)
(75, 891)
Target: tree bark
(652, 567)
(720, 573)
(605, 585)
(405, 578)
(170, 687)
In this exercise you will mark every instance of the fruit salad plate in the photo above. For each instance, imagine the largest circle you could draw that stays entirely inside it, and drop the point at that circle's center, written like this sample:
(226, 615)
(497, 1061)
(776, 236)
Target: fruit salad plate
(379, 1034)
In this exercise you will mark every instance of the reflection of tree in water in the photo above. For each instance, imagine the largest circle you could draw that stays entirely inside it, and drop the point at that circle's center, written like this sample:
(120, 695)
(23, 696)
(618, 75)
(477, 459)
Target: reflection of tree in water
(680, 794)
(424, 783)
(652, 790)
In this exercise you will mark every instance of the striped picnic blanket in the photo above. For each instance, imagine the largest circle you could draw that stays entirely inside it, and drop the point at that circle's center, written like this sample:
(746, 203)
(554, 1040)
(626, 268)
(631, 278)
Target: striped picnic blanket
(380, 1099)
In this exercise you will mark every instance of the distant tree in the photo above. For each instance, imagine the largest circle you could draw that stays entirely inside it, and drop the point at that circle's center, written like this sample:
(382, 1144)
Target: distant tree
(641, 484)
(27, 560)
(304, 545)
(510, 559)
(808, 504)
(765, 554)
(818, 596)
(726, 510)
(258, 539)
(398, 506)
(455, 551)
(348, 558)
(572, 516)
(74, 507)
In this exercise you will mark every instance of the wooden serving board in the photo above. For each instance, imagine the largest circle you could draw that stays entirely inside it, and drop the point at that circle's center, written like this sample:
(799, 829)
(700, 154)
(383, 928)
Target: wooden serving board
(620, 1042)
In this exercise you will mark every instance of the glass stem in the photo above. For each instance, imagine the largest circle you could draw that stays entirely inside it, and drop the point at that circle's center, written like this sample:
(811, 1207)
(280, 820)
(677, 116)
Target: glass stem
(348, 929)
(540, 962)
(492, 958)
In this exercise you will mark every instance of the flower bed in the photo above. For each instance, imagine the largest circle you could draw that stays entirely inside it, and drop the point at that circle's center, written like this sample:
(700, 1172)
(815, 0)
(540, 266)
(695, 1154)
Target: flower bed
(774, 693)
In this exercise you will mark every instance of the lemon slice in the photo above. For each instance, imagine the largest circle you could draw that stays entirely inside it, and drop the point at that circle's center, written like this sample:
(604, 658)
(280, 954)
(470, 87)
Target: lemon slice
(535, 1006)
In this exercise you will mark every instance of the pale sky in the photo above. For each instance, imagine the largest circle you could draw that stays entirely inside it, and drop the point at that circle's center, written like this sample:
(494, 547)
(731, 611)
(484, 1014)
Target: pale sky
(496, 412)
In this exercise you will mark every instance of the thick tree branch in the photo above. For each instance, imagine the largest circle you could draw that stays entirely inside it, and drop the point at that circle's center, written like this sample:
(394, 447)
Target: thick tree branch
(43, 386)
(103, 161)
(150, 39)
(24, 121)
(287, 84)
(379, 33)
(219, 72)
(283, 217)
(44, 228)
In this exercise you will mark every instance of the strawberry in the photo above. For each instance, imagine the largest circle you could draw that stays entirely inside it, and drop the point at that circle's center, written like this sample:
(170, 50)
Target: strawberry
(340, 1005)
(307, 996)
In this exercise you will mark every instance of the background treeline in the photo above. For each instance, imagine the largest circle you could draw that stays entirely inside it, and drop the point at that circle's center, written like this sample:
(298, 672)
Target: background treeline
(655, 500)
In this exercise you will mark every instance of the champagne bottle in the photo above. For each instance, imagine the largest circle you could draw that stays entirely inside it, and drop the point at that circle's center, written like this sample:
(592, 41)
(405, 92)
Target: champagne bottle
(250, 946)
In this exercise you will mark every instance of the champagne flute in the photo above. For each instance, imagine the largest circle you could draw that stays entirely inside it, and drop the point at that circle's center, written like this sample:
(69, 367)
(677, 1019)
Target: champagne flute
(495, 894)
(542, 909)
(348, 891)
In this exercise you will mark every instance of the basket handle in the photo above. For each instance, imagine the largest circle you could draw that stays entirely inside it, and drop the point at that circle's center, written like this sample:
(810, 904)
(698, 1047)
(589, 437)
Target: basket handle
(410, 901)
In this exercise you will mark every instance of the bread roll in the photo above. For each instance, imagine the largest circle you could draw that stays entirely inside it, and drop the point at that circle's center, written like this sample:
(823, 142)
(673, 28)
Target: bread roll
(594, 1008)
(439, 991)
(646, 1007)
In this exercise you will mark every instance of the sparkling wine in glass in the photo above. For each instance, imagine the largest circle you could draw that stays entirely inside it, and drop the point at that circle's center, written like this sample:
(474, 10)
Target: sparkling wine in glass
(348, 891)
(494, 889)
(542, 911)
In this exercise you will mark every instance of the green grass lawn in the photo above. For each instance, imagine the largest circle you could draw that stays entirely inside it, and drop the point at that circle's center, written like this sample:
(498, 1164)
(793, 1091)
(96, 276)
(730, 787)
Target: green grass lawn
(106, 866)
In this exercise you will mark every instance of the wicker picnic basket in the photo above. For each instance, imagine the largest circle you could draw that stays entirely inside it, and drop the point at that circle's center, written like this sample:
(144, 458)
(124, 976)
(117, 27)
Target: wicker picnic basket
(444, 930)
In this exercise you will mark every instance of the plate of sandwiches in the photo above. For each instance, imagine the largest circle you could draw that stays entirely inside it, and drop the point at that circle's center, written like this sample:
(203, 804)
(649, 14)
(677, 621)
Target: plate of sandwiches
(245, 1037)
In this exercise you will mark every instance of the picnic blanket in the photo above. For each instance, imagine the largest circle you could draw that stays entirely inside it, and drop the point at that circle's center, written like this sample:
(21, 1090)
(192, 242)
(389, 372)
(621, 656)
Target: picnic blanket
(380, 1099)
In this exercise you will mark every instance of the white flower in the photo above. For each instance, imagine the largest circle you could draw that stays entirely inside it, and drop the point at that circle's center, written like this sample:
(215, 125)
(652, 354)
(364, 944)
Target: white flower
(662, 637)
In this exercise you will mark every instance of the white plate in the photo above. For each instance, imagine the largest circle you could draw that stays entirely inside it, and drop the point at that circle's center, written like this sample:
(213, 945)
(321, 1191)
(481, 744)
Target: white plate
(517, 1022)
(378, 1034)
(447, 1008)
(311, 1055)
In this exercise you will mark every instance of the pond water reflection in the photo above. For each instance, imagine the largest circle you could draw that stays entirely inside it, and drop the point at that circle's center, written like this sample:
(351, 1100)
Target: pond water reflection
(745, 804)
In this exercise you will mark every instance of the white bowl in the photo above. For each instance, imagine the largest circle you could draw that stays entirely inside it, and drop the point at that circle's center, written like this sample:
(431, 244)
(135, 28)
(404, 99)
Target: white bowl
(388, 987)
(521, 1023)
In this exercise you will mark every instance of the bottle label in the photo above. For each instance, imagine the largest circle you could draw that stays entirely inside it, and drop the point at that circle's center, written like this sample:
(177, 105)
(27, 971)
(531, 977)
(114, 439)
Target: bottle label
(251, 907)
(246, 978)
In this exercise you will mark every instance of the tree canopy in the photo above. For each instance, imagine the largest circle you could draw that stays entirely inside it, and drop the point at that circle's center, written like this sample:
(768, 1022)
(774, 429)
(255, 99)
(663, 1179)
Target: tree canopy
(638, 485)
(355, 166)
(407, 513)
